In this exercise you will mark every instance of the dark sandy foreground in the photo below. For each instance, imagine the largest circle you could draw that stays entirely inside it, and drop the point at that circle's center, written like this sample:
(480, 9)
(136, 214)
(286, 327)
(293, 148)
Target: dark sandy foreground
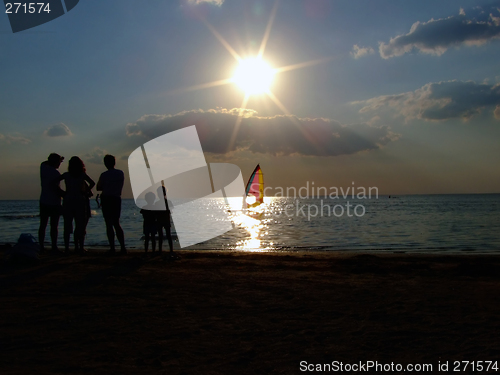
(245, 313)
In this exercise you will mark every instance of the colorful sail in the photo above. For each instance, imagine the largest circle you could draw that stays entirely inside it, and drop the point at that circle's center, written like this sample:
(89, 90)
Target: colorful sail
(255, 187)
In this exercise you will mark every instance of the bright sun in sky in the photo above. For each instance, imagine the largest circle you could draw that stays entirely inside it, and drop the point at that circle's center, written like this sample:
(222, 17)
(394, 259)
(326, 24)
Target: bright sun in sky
(254, 76)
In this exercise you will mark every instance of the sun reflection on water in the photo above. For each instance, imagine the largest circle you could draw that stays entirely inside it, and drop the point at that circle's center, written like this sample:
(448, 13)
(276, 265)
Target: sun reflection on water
(251, 221)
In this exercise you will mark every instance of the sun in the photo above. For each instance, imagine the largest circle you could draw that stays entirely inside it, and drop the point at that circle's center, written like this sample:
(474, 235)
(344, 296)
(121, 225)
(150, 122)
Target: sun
(254, 76)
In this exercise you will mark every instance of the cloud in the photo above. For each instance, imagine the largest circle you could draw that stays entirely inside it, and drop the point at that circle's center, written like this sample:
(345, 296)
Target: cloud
(17, 138)
(58, 130)
(440, 101)
(213, 2)
(436, 36)
(497, 112)
(276, 135)
(96, 156)
(358, 52)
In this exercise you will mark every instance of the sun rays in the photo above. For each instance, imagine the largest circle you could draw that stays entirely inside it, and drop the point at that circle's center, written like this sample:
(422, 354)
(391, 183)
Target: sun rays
(254, 76)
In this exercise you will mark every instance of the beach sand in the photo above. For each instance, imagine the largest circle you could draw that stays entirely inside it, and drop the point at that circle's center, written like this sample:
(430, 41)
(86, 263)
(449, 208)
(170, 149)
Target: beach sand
(246, 313)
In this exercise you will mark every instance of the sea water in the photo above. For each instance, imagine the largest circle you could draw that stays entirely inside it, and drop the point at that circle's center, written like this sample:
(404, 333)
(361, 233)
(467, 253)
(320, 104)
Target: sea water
(411, 223)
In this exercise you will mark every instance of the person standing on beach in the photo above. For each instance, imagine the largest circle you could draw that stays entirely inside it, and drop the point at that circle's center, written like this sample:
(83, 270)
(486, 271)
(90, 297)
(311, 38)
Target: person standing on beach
(76, 203)
(163, 220)
(50, 199)
(150, 224)
(111, 184)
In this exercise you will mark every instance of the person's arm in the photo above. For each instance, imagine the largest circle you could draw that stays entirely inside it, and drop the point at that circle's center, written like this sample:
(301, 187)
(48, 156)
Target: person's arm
(122, 181)
(90, 181)
(56, 186)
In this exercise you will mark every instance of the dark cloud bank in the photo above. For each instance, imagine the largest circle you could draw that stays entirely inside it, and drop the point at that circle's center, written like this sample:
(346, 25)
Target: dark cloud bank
(474, 27)
(278, 135)
(58, 130)
(441, 101)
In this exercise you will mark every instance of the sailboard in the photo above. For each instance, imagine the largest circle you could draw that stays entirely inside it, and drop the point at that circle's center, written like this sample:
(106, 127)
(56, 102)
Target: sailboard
(255, 188)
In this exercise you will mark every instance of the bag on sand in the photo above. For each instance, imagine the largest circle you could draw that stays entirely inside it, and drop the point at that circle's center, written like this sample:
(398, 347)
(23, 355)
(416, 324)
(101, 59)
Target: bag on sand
(26, 250)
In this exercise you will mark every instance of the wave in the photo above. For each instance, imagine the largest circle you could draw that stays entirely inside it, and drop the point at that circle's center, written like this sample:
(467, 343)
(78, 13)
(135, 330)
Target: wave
(19, 217)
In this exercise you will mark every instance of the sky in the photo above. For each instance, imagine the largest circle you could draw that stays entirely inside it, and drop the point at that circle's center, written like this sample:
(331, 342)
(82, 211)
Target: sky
(402, 96)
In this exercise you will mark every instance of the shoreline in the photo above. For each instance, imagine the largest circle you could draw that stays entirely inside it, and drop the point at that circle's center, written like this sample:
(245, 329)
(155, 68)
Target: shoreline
(316, 250)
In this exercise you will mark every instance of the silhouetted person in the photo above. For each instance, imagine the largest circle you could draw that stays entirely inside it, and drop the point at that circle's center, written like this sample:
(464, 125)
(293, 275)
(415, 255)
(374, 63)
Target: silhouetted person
(98, 201)
(50, 199)
(111, 185)
(163, 220)
(150, 224)
(76, 203)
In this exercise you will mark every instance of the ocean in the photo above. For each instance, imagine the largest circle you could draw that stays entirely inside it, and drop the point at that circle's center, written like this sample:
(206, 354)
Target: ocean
(408, 223)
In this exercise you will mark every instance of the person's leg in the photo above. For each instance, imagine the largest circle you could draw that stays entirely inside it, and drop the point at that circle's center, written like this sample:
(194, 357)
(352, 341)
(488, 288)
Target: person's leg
(172, 255)
(146, 242)
(54, 223)
(113, 212)
(77, 235)
(118, 228)
(107, 213)
(68, 228)
(153, 242)
(83, 231)
(160, 237)
(120, 236)
(110, 233)
(66, 240)
(169, 239)
(79, 228)
(44, 219)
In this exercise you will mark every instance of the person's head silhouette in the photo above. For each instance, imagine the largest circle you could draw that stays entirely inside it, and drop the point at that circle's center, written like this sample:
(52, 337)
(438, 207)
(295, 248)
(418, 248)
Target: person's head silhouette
(76, 166)
(150, 198)
(109, 161)
(162, 192)
(55, 160)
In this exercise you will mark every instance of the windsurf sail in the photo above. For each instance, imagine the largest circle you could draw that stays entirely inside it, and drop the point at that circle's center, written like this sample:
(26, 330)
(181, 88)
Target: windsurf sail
(255, 188)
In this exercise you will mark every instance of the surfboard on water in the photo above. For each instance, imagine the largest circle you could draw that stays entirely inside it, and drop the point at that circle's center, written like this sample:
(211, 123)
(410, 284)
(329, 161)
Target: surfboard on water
(255, 188)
